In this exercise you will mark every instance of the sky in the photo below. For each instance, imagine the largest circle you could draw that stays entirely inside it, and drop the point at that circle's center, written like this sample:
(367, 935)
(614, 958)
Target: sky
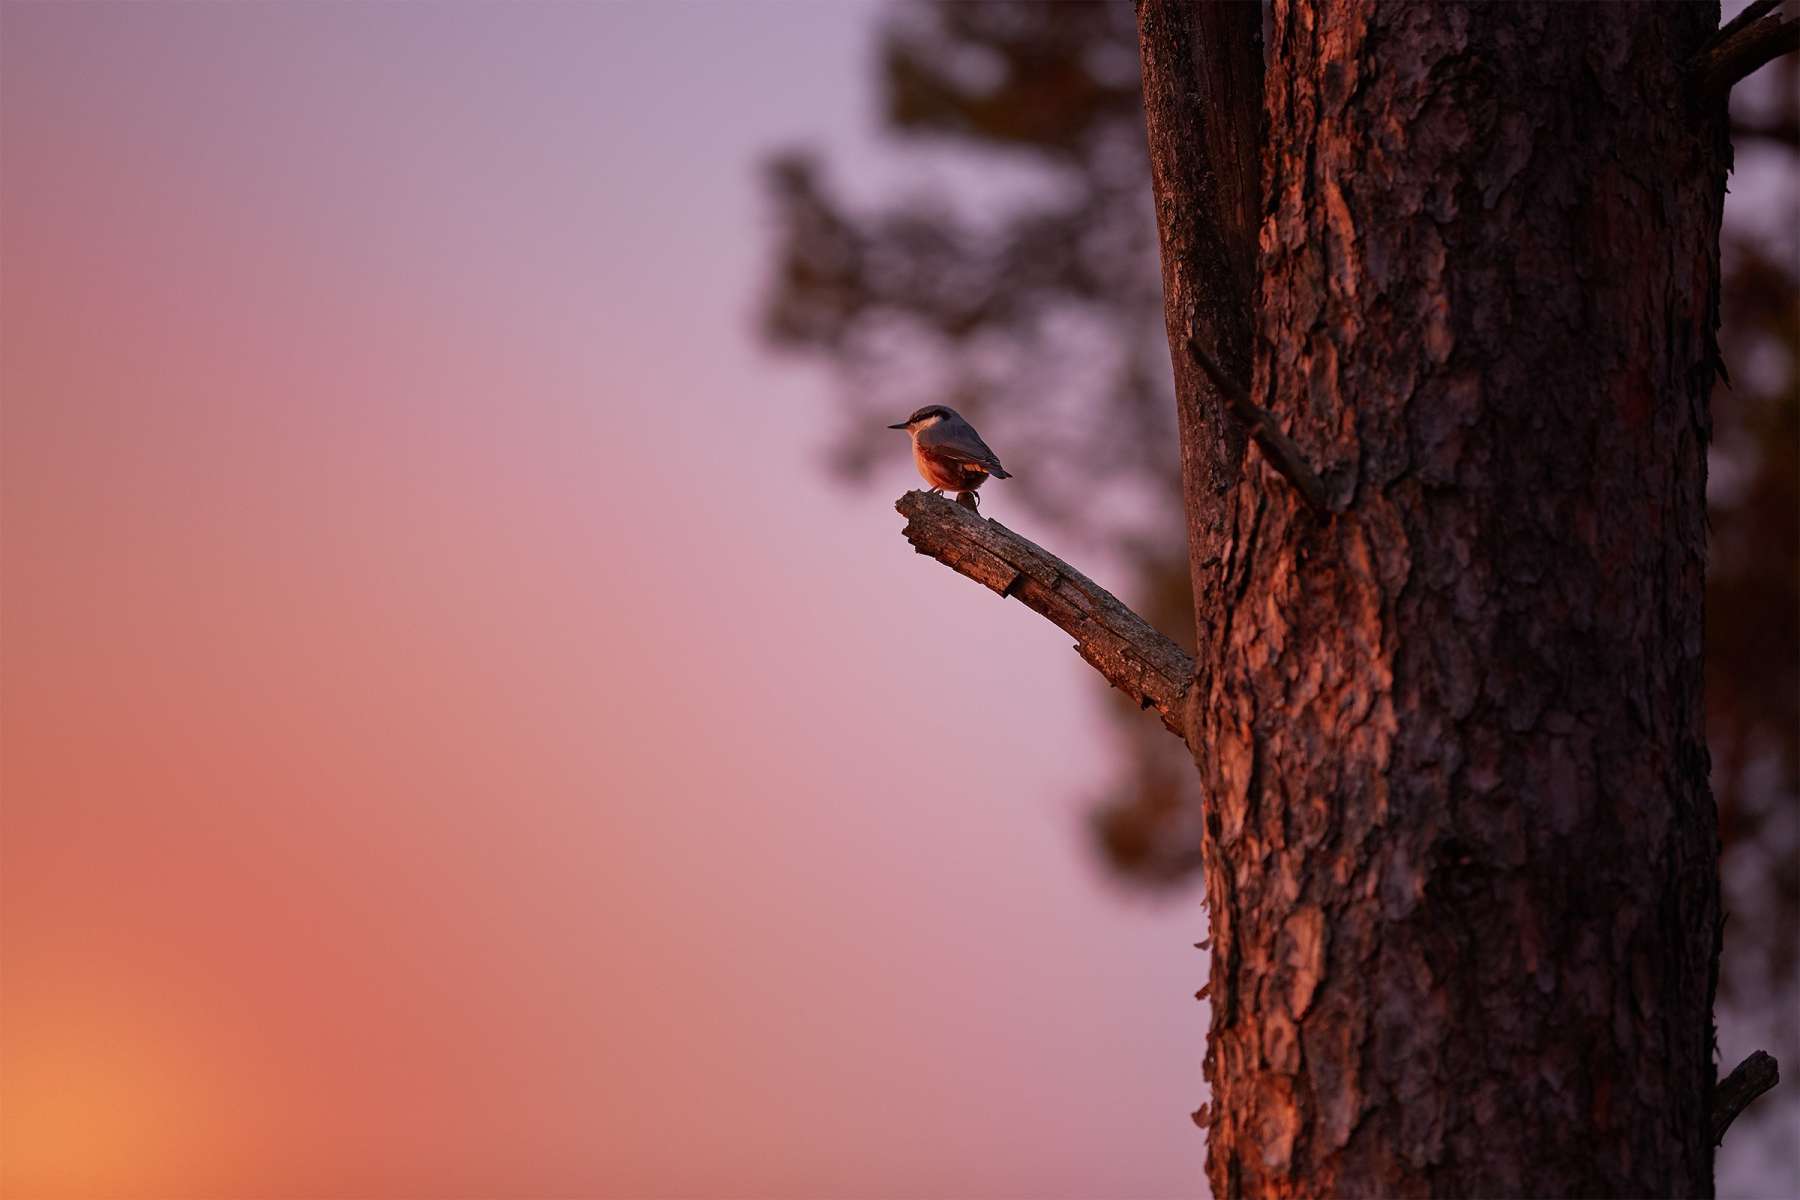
(459, 741)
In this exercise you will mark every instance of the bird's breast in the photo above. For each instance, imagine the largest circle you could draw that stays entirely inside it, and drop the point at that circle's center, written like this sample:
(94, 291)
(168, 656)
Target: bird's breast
(943, 472)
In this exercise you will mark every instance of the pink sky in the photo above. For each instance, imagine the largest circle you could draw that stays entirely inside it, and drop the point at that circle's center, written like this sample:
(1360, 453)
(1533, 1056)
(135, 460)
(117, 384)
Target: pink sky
(458, 742)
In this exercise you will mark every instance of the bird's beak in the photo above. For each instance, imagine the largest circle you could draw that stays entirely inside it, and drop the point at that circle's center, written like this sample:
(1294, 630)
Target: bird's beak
(901, 425)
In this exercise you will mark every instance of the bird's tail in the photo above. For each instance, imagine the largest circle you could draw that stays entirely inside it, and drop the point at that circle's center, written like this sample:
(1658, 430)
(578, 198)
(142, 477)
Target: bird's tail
(999, 472)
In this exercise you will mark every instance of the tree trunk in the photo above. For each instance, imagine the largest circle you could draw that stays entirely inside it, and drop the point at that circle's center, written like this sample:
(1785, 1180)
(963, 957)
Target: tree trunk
(1460, 852)
(1202, 111)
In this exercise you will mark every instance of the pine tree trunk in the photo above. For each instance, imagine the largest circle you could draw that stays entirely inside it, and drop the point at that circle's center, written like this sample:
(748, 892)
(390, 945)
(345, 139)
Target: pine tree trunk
(1460, 852)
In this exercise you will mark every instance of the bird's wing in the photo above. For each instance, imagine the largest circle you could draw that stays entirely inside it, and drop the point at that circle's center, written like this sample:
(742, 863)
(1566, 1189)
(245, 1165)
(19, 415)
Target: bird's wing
(958, 441)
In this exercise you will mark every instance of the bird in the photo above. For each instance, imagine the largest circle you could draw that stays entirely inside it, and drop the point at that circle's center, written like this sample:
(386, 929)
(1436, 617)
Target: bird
(949, 453)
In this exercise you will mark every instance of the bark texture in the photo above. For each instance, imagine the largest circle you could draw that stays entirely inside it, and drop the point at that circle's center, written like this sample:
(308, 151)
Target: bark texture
(1460, 851)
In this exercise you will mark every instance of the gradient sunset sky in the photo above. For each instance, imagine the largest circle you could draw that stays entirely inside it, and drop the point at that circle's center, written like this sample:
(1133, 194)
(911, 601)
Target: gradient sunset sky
(456, 738)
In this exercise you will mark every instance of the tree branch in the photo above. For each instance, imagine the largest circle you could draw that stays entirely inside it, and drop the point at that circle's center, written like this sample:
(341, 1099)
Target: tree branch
(1280, 449)
(1751, 1078)
(1751, 13)
(1115, 641)
(1743, 44)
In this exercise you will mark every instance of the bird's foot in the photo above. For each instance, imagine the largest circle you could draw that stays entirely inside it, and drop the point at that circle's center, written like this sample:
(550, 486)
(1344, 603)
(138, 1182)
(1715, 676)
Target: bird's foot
(969, 501)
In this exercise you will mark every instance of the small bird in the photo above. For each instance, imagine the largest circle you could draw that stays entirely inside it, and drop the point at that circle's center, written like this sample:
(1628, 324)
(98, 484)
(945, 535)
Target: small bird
(949, 453)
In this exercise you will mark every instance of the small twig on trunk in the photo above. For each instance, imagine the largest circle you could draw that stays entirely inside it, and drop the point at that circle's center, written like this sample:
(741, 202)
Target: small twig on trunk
(1743, 44)
(1782, 130)
(1280, 449)
(1115, 641)
(1752, 1077)
(1752, 13)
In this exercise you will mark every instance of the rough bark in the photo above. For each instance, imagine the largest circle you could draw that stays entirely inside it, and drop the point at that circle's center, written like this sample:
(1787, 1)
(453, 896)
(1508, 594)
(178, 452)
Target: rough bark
(1460, 852)
(1115, 641)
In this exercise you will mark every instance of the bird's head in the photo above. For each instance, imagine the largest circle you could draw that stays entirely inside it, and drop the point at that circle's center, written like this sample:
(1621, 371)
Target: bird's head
(926, 417)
